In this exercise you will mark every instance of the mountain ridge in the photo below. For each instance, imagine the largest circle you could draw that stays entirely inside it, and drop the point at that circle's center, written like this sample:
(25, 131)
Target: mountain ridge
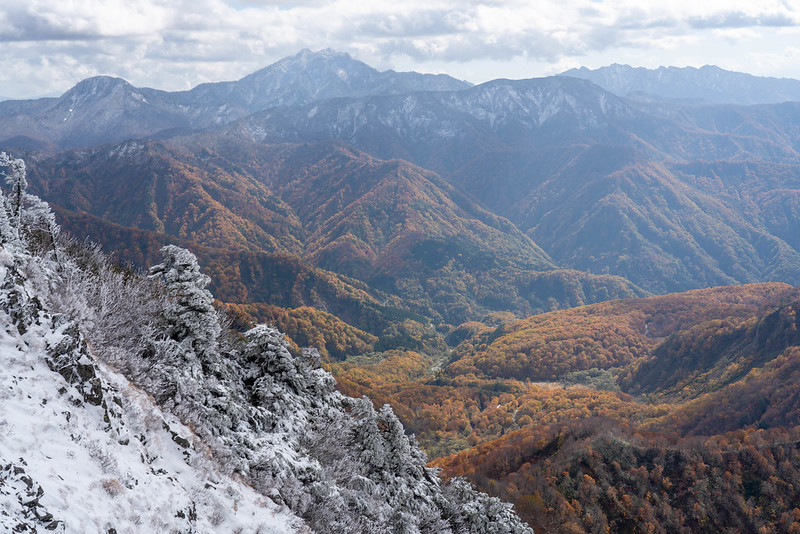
(158, 418)
(705, 85)
(294, 80)
(402, 230)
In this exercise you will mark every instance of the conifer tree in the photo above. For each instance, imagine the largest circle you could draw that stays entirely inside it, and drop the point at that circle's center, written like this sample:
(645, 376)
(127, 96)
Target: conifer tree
(23, 210)
(189, 353)
(16, 180)
(10, 219)
(191, 318)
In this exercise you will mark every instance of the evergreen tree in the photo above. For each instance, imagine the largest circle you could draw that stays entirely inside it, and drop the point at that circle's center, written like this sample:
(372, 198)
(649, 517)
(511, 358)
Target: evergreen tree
(23, 210)
(8, 234)
(191, 318)
(188, 355)
(16, 180)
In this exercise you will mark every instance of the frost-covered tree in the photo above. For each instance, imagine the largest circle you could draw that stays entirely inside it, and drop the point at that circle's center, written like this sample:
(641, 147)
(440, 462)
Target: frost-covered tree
(8, 234)
(24, 215)
(477, 512)
(191, 318)
(270, 360)
(17, 181)
(189, 371)
(186, 356)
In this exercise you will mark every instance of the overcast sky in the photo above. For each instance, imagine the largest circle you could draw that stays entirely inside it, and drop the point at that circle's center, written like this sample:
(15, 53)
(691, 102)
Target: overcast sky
(46, 46)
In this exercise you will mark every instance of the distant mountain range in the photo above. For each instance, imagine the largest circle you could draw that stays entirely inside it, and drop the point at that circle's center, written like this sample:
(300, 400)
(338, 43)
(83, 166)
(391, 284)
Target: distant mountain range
(557, 173)
(706, 85)
(103, 109)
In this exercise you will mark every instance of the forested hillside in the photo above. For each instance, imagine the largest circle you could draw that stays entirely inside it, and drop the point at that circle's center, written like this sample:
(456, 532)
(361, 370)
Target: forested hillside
(137, 379)
(671, 198)
(667, 414)
(410, 238)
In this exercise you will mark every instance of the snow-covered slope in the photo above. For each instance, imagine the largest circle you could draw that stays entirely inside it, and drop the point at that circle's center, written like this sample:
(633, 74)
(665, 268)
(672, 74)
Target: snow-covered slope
(511, 109)
(312, 76)
(443, 130)
(127, 408)
(94, 453)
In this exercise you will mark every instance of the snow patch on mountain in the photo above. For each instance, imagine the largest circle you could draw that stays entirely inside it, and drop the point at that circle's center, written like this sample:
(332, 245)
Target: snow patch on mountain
(531, 106)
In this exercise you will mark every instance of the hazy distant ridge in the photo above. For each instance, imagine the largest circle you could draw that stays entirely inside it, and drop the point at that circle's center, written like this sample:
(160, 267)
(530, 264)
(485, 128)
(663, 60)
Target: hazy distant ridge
(708, 84)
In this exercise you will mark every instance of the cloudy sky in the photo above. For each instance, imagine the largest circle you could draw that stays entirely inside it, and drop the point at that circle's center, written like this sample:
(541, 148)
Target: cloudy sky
(46, 46)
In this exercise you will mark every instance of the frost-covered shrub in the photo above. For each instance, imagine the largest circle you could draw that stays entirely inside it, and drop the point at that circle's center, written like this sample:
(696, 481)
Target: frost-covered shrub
(118, 311)
(26, 218)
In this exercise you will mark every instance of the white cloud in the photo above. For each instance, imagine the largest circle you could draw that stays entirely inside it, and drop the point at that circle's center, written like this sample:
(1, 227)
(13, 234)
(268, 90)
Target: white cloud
(40, 20)
(175, 44)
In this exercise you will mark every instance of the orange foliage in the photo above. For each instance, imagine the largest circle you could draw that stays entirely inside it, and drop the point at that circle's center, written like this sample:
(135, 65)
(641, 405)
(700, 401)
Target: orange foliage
(604, 335)
(600, 476)
(308, 327)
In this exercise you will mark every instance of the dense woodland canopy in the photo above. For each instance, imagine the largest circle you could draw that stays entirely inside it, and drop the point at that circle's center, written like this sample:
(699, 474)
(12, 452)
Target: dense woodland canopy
(667, 414)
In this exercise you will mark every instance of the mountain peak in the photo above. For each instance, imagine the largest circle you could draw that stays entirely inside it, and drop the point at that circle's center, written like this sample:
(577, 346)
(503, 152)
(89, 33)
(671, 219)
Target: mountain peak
(324, 53)
(310, 76)
(302, 60)
(98, 84)
(98, 88)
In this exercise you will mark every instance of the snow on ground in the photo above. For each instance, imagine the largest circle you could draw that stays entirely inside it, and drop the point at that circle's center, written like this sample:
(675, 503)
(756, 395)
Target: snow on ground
(136, 470)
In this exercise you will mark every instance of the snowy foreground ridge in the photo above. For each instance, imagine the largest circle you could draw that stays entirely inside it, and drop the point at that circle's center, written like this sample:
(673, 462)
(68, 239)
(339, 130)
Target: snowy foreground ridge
(125, 406)
(69, 464)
